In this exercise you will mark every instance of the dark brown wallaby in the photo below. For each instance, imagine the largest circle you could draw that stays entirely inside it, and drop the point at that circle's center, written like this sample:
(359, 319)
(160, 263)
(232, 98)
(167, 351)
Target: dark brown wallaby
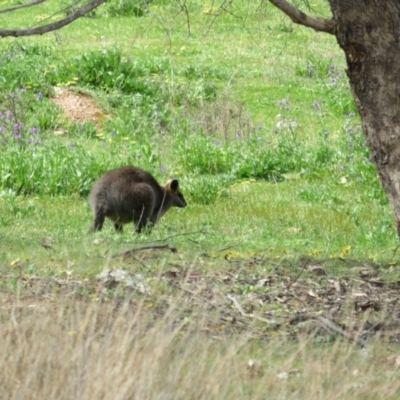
(131, 194)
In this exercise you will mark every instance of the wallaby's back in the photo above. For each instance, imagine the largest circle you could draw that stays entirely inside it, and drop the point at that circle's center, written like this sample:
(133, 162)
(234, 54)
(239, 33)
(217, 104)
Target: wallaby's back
(131, 194)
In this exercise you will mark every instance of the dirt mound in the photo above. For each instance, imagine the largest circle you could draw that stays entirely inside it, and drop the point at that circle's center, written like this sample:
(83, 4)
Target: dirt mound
(79, 107)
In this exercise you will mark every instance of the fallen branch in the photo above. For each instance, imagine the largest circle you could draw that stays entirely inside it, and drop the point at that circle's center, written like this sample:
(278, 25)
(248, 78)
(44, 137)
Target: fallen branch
(239, 307)
(148, 247)
(305, 263)
(327, 324)
(194, 294)
(178, 234)
(231, 245)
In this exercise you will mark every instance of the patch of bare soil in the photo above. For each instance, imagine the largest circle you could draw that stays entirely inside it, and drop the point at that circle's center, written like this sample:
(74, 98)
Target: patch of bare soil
(79, 107)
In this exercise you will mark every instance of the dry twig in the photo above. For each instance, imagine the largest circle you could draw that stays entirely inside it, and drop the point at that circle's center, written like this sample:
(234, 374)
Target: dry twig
(148, 247)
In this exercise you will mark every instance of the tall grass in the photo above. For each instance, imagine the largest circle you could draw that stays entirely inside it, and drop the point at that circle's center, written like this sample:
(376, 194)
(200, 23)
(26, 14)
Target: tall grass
(80, 350)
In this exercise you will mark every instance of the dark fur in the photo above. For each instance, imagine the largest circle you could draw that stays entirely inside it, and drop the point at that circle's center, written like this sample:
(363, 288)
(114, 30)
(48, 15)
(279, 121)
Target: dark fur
(131, 194)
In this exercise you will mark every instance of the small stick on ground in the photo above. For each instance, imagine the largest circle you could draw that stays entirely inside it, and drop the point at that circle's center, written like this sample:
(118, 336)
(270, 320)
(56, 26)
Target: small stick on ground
(148, 247)
(326, 323)
(179, 234)
(305, 263)
(242, 312)
(231, 245)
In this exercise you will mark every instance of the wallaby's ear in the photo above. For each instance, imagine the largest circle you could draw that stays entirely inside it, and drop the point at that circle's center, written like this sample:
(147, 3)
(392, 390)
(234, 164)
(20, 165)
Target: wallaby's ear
(172, 186)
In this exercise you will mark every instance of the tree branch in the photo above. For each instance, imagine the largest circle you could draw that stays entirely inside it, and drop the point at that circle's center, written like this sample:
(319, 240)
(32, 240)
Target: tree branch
(298, 17)
(9, 9)
(55, 25)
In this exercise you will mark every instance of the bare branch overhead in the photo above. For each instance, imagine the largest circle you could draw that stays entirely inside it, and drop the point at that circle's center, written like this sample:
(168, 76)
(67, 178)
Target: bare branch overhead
(298, 17)
(9, 9)
(40, 30)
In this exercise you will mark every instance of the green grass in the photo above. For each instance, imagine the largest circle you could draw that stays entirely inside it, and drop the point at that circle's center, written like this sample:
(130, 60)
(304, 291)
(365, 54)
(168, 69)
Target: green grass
(276, 180)
(256, 218)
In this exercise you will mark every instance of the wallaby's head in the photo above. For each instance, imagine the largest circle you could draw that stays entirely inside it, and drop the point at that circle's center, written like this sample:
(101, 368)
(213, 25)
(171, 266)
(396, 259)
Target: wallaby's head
(172, 188)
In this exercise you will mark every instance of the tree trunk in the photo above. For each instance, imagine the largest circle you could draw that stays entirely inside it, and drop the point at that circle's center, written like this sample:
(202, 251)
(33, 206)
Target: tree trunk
(369, 33)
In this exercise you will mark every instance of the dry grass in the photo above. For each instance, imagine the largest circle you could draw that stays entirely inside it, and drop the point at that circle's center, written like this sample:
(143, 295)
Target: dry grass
(74, 349)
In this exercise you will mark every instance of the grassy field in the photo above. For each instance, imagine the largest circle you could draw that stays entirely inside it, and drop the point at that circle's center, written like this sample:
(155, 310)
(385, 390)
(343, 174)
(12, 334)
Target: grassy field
(255, 118)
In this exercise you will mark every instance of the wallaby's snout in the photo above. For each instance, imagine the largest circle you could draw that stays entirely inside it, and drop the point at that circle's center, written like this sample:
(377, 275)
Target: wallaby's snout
(131, 194)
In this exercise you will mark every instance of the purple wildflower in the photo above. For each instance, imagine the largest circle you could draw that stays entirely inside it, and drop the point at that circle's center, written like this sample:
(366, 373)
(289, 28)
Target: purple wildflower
(112, 133)
(17, 127)
(317, 104)
(34, 131)
(283, 103)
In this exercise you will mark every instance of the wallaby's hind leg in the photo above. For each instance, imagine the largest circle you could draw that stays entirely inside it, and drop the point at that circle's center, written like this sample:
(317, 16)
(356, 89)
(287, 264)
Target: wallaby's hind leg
(140, 219)
(140, 223)
(98, 220)
(118, 227)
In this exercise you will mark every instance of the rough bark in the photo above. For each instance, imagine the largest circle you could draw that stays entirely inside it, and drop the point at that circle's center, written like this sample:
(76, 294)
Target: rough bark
(369, 33)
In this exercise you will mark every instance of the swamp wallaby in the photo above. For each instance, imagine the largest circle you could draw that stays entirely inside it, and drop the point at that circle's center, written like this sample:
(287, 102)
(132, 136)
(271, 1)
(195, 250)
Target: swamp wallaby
(131, 194)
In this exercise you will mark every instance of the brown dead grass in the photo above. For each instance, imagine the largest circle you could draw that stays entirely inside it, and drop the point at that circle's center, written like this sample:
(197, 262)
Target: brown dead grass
(184, 337)
(92, 350)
